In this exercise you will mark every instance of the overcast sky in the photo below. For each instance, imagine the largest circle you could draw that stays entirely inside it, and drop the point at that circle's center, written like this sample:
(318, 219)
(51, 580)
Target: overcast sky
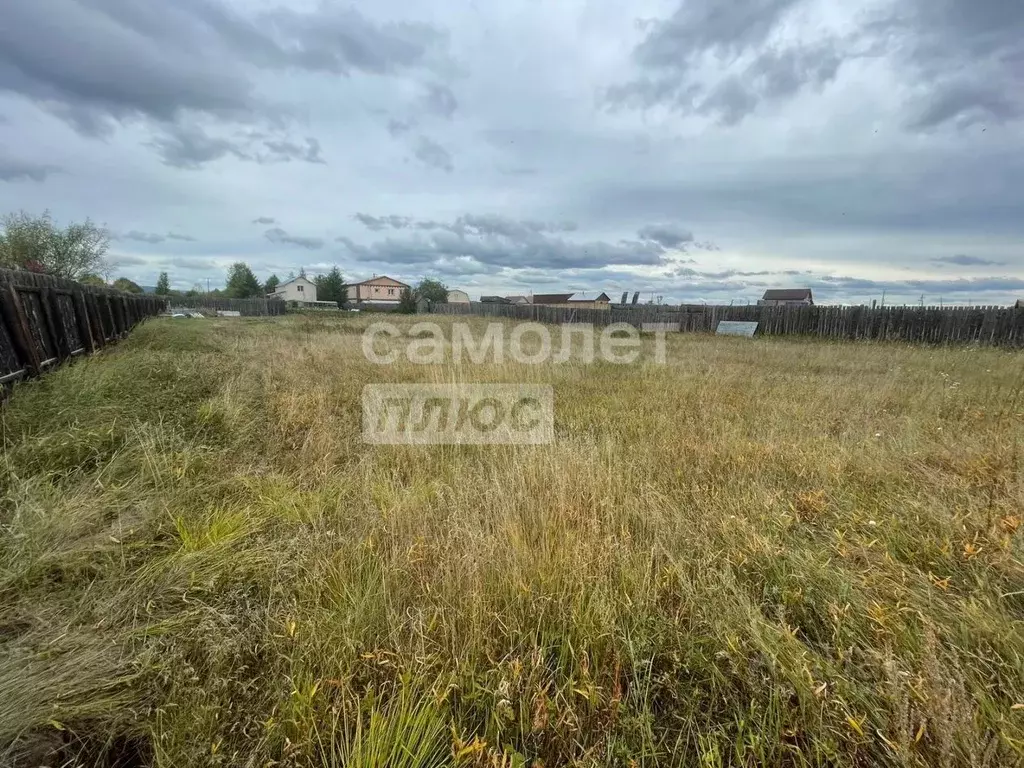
(697, 150)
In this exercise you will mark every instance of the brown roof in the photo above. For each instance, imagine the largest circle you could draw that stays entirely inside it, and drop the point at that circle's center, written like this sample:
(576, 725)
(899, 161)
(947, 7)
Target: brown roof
(787, 294)
(551, 298)
(382, 279)
(602, 297)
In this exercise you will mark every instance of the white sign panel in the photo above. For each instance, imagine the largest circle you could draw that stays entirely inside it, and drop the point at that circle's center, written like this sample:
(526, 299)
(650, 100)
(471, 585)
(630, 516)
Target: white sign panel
(736, 328)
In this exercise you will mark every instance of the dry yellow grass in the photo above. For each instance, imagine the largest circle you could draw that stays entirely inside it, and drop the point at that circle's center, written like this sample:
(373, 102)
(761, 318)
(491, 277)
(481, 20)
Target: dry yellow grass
(767, 552)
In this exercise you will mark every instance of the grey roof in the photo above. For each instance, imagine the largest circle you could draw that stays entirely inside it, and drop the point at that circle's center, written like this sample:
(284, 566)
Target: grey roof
(551, 298)
(283, 283)
(787, 294)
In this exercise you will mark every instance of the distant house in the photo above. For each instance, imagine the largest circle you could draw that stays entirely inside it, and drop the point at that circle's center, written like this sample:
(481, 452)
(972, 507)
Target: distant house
(567, 301)
(786, 297)
(295, 289)
(519, 300)
(551, 299)
(456, 296)
(494, 300)
(377, 290)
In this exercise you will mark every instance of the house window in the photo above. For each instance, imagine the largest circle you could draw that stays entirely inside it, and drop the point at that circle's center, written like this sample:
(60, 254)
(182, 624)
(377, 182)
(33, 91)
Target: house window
(391, 291)
(298, 288)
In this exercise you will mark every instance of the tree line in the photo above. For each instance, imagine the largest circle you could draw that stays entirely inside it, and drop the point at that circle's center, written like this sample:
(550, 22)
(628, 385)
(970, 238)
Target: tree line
(242, 283)
(78, 251)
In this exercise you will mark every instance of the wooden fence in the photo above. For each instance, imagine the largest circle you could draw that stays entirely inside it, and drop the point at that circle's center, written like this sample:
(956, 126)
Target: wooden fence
(256, 307)
(1003, 326)
(46, 320)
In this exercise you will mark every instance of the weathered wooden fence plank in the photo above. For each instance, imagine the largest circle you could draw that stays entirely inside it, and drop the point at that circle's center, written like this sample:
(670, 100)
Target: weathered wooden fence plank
(1000, 326)
(45, 320)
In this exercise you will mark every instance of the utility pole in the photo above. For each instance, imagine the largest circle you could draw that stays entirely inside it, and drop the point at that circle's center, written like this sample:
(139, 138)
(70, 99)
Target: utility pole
(207, 285)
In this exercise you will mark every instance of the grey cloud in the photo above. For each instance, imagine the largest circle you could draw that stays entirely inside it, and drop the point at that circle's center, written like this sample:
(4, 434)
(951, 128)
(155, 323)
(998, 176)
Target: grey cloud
(190, 147)
(377, 223)
(966, 102)
(430, 153)
(475, 224)
(142, 237)
(962, 57)
(340, 40)
(194, 263)
(440, 100)
(772, 76)
(674, 49)
(263, 220)
(119, 261)
(152, 237)
(167, 62)
(668, 235)
(286, 151)
(400, 127)
(144, 69)
(962, 260)
(18, 170)
(278, 235)
(705, 25)
(904, 191)
(497, 241)
(966, 55)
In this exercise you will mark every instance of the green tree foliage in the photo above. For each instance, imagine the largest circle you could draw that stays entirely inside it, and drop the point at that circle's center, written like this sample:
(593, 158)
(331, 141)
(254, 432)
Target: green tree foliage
(163, 285)
(92, 279)
(271, 285)
(407, 302)
(432, 290)
(37, 243)
(331, 287)
(242, 283)
(124, 284)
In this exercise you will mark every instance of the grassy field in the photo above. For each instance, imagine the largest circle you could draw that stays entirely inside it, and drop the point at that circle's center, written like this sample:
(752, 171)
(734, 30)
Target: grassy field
(767, 552)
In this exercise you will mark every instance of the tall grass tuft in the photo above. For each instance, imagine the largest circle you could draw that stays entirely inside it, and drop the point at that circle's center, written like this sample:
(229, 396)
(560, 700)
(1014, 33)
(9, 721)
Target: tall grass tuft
(765, 552)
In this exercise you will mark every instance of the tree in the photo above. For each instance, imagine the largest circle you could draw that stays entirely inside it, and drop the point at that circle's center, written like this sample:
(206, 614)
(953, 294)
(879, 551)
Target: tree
(36, 242)
(407, 302)
(331, 287)
(242, 283)
(91, 279)
(271, 285)
(432, 290)
(124, 284)
(163, 285)
(302, 272)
